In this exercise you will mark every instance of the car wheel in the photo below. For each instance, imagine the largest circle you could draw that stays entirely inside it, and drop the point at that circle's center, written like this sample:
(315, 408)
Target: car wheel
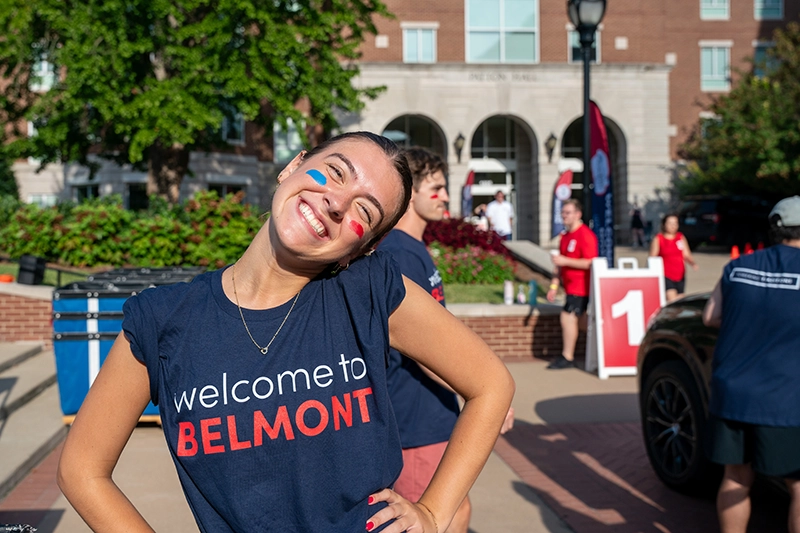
(673, 420)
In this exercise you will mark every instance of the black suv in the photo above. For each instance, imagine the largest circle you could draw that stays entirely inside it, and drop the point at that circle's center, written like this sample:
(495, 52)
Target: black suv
(725, 220)
(674, 363)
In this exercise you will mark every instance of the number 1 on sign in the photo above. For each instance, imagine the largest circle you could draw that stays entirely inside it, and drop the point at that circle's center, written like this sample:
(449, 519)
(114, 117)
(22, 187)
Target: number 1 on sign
(632, 306)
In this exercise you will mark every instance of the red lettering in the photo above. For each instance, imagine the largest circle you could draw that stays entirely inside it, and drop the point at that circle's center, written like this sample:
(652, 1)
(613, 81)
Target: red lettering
(301, 423)
(187, 444)
(345, 412)
(208, 436)
(438, 294)
(235, 443)
(281, 421)
(362, 394)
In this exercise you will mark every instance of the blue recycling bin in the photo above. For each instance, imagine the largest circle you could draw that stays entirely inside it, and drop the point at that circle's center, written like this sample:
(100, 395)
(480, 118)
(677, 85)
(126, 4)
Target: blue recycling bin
(87, 318)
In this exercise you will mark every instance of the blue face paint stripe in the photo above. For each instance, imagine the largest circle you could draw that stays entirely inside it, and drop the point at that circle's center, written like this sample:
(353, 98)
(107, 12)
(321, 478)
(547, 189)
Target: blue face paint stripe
(317, 176)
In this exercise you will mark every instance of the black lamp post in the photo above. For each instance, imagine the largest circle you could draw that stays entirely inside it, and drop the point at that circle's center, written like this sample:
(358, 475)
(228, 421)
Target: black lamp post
(586, 15)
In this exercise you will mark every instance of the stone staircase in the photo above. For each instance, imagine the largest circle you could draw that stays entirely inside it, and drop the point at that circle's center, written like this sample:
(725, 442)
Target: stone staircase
(31, 423)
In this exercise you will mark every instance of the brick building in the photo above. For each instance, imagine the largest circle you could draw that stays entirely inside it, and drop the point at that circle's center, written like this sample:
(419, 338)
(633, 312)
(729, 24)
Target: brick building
(504, 76)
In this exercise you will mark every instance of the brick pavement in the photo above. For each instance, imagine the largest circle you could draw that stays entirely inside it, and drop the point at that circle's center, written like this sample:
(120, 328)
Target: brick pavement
(597, 478)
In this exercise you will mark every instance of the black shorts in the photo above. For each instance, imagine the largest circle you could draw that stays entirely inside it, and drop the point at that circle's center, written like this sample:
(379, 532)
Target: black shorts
(772, 451)
(576, 304)
(679, 286)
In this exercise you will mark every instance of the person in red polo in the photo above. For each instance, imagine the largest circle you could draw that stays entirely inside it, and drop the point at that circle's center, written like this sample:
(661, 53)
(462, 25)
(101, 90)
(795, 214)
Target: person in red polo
(577, 249)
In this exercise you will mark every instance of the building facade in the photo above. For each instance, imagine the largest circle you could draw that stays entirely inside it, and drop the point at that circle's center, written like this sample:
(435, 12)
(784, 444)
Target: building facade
(490, 84)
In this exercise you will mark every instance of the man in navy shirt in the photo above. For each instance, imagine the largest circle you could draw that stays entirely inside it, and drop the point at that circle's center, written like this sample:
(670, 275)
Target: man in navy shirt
(425, 408)
(755, 396)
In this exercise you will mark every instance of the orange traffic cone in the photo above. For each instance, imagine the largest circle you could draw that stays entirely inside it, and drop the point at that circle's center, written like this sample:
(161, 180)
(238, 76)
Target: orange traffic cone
(734, 252)
(748, 249)
(760, 246)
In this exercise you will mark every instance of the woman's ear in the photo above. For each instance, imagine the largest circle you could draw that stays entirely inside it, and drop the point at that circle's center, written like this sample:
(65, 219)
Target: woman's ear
(293, 165)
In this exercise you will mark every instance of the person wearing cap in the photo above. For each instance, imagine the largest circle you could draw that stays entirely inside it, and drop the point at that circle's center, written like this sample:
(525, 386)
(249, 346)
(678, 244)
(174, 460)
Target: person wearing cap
(754, 423)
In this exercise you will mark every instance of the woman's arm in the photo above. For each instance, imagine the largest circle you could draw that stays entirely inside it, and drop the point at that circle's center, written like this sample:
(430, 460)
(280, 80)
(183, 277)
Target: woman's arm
(712, 312)
(687, 254)
(96, 439)
(423, 330)
(655, 249)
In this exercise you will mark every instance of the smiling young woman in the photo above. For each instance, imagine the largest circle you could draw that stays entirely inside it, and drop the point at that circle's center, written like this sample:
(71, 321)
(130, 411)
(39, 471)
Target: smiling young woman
(270, 374)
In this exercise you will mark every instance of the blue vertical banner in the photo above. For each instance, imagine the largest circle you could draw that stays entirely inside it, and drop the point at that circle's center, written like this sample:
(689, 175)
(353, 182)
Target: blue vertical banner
(603, 197)
(562, 192)
(466, 195)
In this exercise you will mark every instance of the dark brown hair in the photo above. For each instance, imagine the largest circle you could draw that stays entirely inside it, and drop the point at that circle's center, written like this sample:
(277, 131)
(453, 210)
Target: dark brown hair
(423, 163)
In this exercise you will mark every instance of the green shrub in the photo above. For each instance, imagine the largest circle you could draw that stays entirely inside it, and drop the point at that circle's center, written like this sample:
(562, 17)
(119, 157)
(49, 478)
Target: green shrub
(32, 230)
(220, 230)
(157, 241)
(96, 233)
(9, 205)
(204, 231)
(471, 265)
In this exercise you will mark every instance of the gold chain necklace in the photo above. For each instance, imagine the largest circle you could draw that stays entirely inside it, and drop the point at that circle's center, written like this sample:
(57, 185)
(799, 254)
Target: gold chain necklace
(264, 350)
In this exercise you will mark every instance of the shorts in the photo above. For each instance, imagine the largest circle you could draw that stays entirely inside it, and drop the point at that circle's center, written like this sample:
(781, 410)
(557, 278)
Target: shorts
(576, 304)
(772, 451)
(419, 465)
(679, 286)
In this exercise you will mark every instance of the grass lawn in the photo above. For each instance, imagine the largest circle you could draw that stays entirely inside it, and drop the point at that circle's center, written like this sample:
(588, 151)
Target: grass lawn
(50, 276)
(462, 293)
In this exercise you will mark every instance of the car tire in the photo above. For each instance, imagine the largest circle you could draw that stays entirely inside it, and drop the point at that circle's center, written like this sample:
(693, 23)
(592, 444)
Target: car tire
(673, 425)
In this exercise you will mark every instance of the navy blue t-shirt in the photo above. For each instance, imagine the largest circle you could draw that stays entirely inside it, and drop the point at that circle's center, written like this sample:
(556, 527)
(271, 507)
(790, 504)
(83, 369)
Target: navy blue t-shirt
(426, 412)
(756, 366)
(292, 441)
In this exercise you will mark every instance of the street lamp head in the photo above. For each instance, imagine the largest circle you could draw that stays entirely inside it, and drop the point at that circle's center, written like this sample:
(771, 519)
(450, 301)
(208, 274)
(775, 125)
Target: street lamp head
(550, 146)
(586, 13)
(458, 144)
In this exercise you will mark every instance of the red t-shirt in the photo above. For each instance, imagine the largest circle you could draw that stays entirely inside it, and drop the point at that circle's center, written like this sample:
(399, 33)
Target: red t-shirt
(671, 250)
(578, 244)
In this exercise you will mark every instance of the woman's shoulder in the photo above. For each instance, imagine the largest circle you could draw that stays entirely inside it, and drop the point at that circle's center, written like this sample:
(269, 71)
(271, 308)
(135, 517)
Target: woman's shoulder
(161, 296)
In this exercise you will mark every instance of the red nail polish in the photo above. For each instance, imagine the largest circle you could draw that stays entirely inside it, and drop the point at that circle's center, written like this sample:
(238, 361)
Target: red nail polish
(370, 525)
(370, 500)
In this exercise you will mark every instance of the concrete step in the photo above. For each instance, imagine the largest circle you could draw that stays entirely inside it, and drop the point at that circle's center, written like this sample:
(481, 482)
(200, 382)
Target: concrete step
(24, 381)
(27, 435)
(13, 353)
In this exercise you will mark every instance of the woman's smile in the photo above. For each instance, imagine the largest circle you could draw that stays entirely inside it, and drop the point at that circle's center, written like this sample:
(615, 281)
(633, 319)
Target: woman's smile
(312, 220)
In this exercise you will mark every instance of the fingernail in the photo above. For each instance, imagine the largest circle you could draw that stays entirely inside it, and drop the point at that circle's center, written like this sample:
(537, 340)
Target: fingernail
(370, 525)
(370, 500)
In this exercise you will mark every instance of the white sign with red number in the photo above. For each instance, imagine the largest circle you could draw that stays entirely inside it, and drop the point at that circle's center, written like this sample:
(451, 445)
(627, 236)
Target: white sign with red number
(623, 300)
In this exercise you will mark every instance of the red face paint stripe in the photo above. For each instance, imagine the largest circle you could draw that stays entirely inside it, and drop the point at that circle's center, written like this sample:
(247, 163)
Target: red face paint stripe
(358, 228)
(434, 197)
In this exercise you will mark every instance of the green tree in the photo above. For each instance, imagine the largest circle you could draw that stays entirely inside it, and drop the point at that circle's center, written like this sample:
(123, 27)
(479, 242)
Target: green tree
(753, 143)
(8, 183)
(145, 82)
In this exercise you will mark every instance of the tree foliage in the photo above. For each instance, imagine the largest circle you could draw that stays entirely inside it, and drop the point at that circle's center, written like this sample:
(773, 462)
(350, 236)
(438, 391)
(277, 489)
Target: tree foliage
(144, 82)
(753, 143)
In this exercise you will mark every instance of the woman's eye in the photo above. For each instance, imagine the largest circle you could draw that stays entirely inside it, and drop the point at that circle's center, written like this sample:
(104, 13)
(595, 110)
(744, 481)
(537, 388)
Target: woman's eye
(367, 214)
(336, 173)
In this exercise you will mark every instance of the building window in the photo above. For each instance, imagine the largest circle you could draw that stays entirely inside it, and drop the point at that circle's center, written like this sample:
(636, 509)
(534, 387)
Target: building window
(286, 144)
(43, 76)
(715, 9)
(575, 51)
(233, 126)
(768, 9)
(419, 42)
(502, 31)
(415, 130)
(763, 62)
(137, 197)
(43, 200)
(494, 139)
(715, 68)
(224, 189)
(85, 192)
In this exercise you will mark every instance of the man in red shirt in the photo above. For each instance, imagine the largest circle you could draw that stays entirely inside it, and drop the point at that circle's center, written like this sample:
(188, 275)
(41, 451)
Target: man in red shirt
(577, 249)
